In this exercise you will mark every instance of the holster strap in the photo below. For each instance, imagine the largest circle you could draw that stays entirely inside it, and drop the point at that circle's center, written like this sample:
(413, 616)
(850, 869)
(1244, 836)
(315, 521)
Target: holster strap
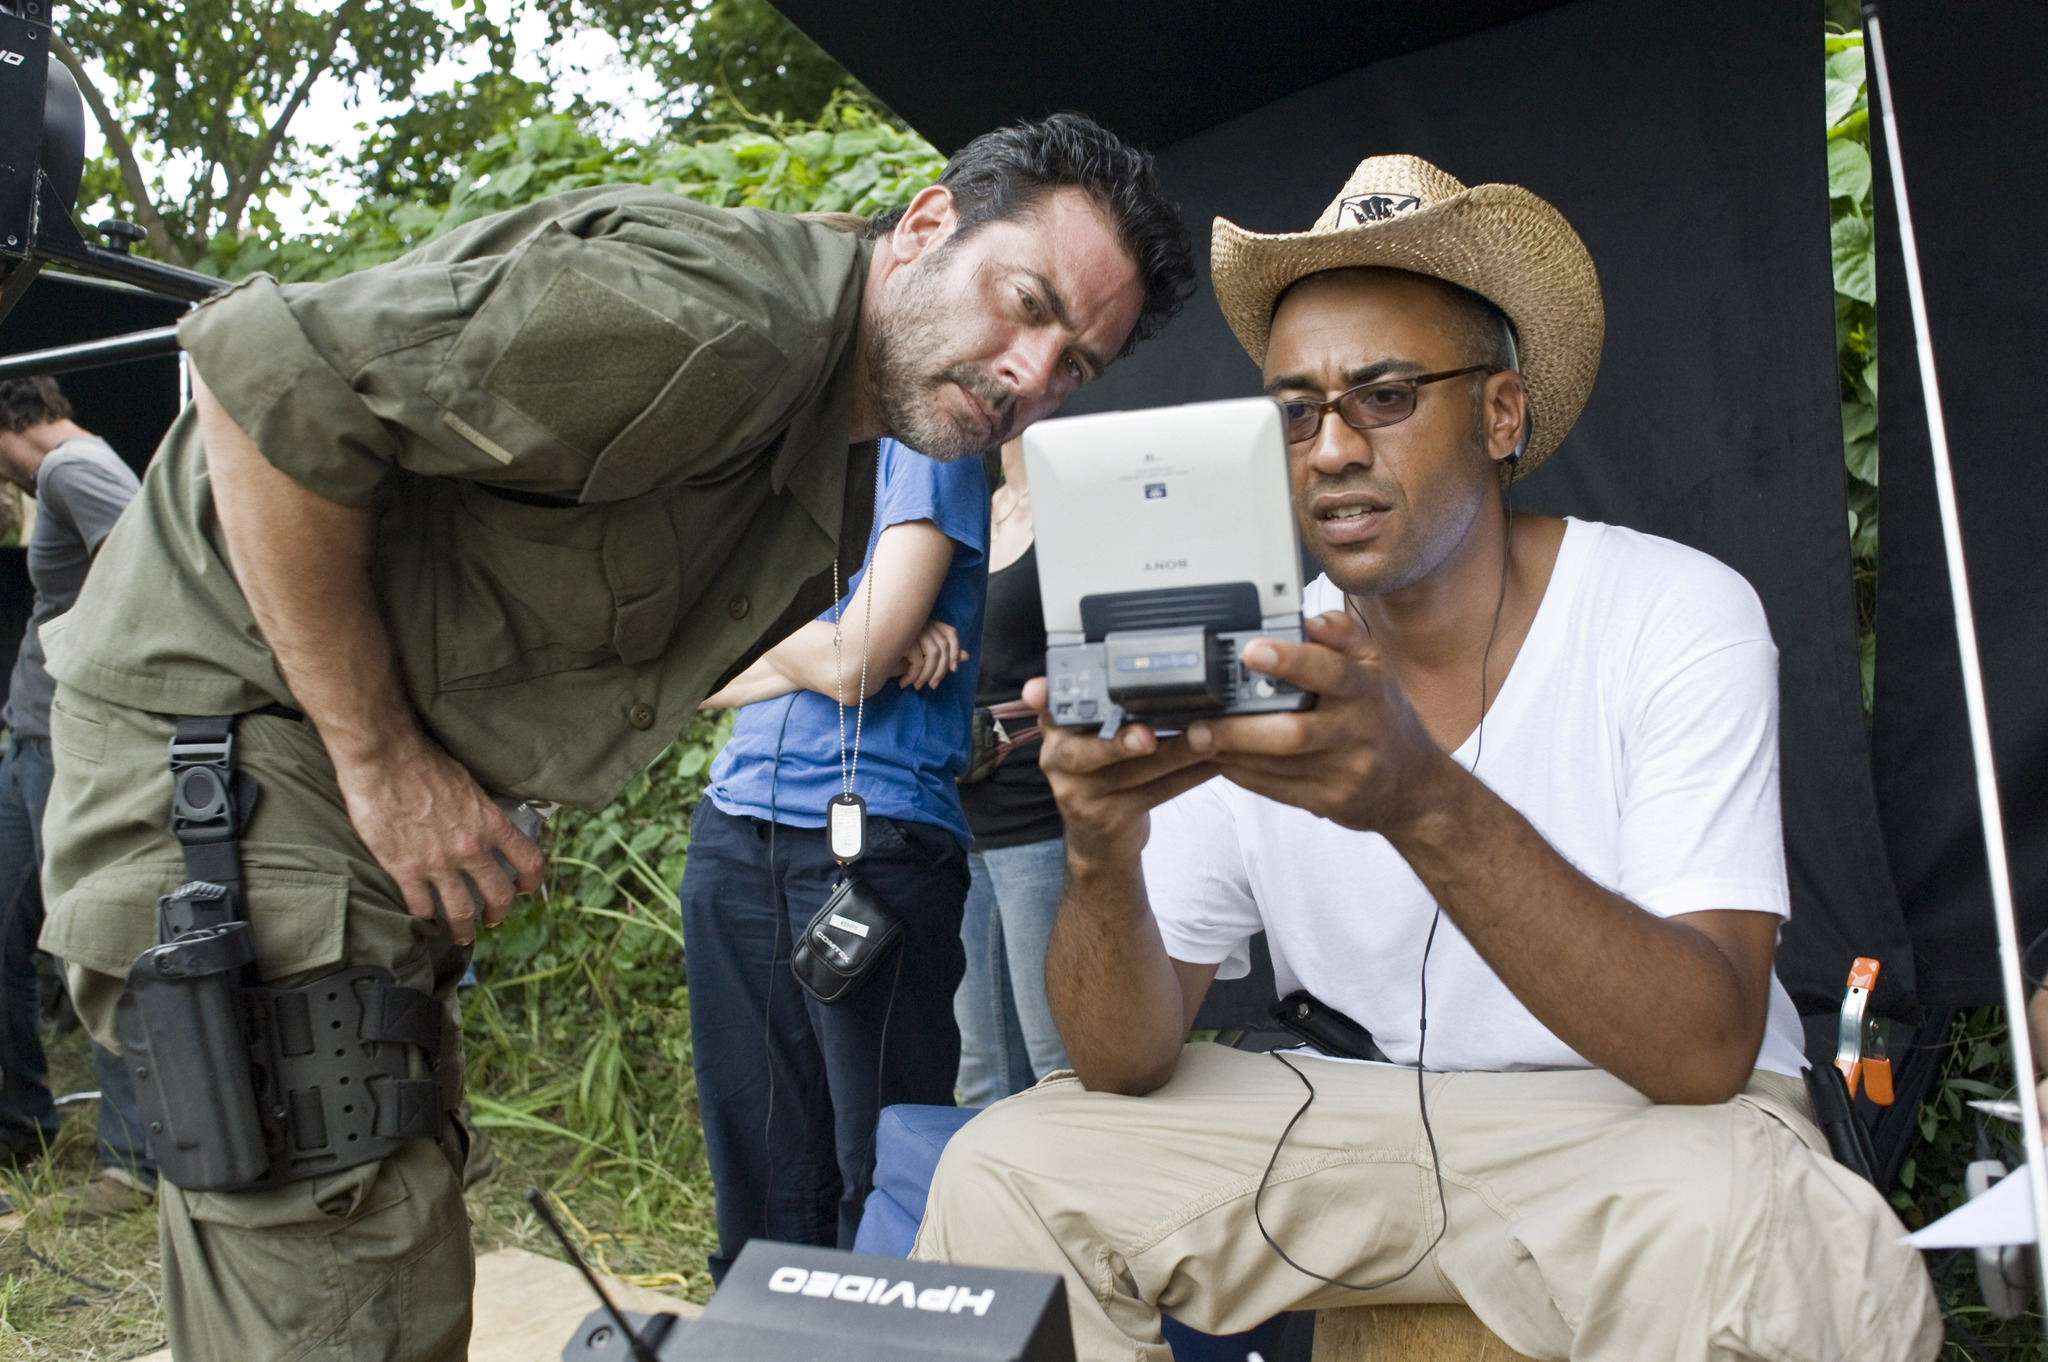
(212, 801)
(406, 1015)
(407, 1108)
(209, 806)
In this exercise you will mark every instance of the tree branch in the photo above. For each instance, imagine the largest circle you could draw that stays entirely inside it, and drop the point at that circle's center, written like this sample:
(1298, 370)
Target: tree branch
(124, 151)
(243, 187)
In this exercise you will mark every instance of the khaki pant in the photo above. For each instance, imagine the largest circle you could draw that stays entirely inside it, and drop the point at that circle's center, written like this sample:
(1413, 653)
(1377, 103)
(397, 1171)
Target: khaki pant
(372, 1261)
(1584, 1221)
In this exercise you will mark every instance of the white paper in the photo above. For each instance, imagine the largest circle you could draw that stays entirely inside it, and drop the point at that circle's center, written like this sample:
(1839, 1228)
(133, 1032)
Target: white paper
(2003, 1215)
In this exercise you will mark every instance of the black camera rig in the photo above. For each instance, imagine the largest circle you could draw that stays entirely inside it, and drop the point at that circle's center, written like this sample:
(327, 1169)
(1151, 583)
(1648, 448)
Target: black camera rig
(42, 159)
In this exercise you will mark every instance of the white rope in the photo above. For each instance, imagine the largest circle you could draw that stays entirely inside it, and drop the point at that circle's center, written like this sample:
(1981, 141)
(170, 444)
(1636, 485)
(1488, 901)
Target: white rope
(1973, 683)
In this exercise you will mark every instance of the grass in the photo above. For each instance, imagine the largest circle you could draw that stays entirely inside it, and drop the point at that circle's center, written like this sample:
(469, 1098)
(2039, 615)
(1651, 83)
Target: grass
(89, 1293)
(75, 1292)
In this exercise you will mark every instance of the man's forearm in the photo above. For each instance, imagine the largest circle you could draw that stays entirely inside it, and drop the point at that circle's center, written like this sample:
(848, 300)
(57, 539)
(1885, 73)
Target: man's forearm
(1112, 988)
(1656, 1002)
(303, 563)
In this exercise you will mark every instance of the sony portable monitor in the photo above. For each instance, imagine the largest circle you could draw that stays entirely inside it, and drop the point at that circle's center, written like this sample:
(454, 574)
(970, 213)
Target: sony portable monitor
(1165, 543)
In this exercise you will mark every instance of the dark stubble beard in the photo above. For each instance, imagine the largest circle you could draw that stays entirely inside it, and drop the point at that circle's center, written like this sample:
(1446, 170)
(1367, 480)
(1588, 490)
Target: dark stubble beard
(907, 374)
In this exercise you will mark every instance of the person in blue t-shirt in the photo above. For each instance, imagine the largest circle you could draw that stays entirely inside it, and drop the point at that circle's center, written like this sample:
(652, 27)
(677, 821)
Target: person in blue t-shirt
(790, 1088)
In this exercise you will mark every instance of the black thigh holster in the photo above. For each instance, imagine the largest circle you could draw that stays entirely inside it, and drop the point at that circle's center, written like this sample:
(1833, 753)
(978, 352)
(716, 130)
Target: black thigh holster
(243, 1086)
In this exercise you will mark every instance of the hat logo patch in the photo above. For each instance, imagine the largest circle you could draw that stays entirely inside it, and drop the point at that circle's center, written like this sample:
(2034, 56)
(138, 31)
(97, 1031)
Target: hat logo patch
(1376, 207)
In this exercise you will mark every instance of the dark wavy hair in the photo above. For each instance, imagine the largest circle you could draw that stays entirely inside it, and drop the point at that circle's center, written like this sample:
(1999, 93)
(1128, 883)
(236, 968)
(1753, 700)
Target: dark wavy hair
(1001, 176)
(29, 402)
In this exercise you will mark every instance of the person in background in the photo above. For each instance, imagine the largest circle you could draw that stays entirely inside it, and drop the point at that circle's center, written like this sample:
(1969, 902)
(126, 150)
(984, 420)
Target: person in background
(1008, 1040)
(789, 1087)
(81, 487)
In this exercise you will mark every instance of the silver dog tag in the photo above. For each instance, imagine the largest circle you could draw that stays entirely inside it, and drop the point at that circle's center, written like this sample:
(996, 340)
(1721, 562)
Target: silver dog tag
(846, 828)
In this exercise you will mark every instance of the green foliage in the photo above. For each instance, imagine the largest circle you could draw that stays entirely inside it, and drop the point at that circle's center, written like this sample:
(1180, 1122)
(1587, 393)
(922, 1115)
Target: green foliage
(210, 87)
(579, 1028)
(744, 52)
(420, 153)
(1855, 257)
(719, 55)
(198, 99)
(851, 160)
(1978, 1064)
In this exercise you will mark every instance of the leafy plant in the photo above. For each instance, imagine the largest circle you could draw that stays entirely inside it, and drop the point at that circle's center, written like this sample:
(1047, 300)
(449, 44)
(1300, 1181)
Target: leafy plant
(579, 1027)
(736, 54)
(1978, 1064)
(853, 159)
(1855, 257)
(211, 88)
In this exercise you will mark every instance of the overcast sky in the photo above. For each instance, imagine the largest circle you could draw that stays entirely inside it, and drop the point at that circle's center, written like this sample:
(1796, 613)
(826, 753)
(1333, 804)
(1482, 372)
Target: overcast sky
(589, 64)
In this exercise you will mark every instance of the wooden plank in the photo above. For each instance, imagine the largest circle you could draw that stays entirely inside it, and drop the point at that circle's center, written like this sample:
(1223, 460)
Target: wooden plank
(1408, 1333)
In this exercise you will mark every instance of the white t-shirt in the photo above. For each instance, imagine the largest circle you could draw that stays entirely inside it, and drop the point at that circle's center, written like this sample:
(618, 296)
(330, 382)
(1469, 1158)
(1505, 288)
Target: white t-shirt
(1638, 733)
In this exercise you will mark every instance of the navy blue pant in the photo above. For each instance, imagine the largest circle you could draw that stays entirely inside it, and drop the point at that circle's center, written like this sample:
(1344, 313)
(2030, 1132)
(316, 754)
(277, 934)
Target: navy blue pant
(28, 1113)
(789, 1088)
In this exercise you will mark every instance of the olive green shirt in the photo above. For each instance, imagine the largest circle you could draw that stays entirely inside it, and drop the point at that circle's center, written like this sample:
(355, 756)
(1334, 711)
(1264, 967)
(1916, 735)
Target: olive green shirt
(606, 439)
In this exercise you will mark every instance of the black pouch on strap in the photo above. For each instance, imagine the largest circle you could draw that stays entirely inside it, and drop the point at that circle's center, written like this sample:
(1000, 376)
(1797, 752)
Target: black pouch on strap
(845, 940)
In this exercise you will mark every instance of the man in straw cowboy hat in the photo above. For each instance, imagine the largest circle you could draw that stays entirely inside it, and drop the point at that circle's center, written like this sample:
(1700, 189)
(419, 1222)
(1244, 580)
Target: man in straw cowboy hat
(1528, 838)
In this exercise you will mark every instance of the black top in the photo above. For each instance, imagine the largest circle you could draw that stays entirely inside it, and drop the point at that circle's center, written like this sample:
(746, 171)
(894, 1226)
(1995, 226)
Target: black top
(1014, 805)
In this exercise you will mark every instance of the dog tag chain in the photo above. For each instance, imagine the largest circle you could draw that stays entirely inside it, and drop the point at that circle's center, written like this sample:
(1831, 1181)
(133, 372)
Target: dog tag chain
(846, 813)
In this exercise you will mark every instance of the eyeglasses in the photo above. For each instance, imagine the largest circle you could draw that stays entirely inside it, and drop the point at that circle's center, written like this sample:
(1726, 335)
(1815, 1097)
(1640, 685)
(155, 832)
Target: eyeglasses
(1368, 406)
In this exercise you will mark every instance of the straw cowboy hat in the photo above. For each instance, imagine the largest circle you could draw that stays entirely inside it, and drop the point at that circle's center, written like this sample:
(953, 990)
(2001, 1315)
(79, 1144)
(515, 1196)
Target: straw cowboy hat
(1498, 240)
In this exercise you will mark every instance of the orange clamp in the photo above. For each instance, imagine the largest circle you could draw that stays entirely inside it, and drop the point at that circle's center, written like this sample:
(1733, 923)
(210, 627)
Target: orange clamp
(1860, 1039)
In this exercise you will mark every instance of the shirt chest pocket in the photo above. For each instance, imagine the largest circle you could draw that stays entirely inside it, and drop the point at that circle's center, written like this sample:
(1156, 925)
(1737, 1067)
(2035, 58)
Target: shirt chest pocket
(584, 372)
(524, 591)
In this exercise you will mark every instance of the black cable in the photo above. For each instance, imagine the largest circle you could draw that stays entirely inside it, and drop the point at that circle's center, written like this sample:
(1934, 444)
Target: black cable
(1422, 983)
(101, 1288)
(881, 1067)
(1429, 1133)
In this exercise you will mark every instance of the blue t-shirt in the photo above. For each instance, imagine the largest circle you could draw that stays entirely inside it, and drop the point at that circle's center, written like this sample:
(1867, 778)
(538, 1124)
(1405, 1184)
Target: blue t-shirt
(913, 743)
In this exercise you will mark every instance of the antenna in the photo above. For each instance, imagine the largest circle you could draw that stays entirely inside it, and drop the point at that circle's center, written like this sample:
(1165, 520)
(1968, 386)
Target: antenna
(639, 1350)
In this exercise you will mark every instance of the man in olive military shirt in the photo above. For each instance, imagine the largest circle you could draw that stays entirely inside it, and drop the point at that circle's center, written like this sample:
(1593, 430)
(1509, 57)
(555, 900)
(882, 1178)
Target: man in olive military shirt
(489, 522)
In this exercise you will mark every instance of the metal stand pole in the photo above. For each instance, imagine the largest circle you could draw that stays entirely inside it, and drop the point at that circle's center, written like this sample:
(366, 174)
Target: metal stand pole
(1973, 678)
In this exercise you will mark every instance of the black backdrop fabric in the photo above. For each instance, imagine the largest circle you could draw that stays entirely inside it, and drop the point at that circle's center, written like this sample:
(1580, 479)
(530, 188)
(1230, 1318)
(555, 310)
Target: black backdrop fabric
(1966, 75)
(1155, 70)
(1687, 153)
